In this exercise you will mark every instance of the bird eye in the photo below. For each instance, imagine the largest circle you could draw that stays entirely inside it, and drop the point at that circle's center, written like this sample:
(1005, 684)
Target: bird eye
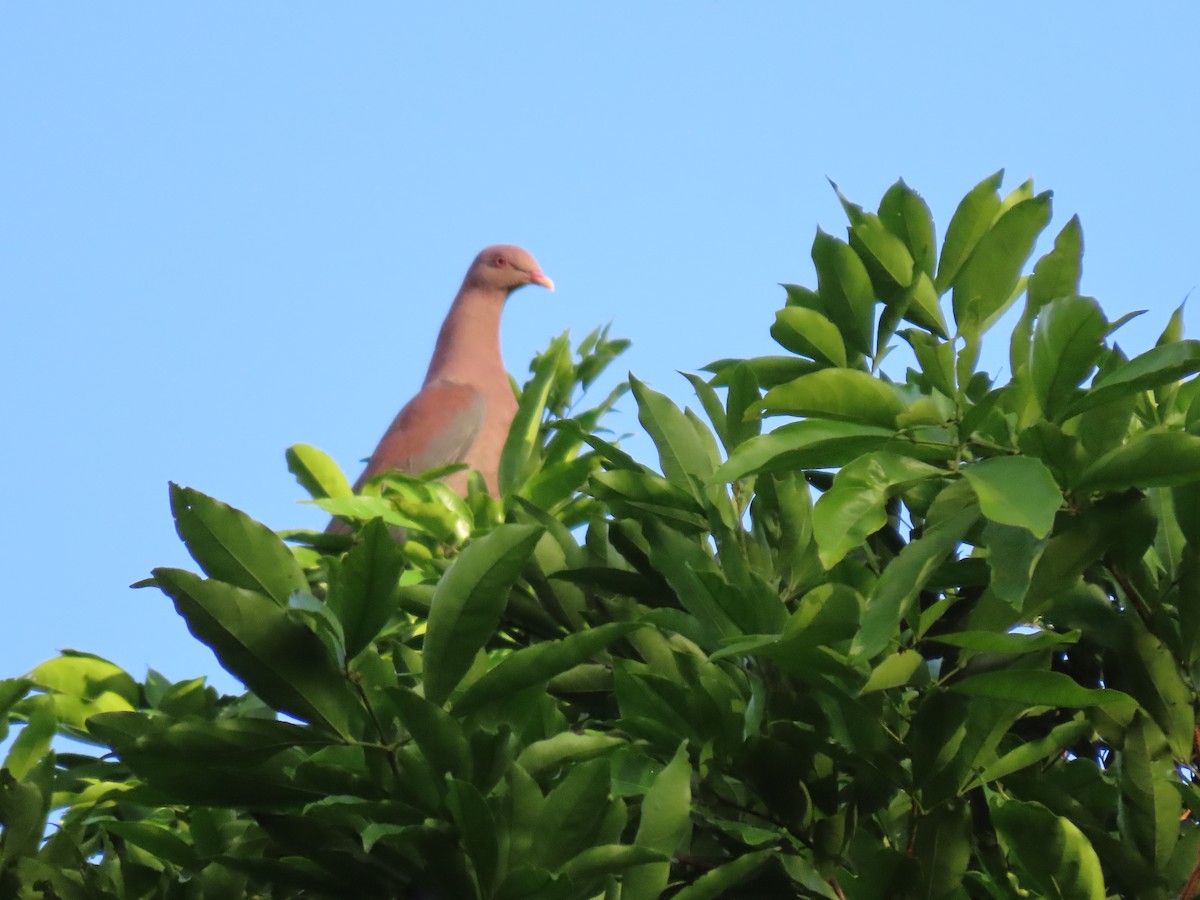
(501, 262)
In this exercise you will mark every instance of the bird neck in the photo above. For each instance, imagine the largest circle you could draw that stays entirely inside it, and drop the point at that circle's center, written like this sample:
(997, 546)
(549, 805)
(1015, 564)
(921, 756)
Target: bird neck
(468, 346)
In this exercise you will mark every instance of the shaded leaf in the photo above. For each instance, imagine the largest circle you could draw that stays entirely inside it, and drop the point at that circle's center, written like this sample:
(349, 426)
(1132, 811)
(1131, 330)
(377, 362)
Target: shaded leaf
(257, 642)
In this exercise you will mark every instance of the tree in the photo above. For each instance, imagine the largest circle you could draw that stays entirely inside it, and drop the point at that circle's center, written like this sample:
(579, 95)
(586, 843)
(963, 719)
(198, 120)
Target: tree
(967, 669)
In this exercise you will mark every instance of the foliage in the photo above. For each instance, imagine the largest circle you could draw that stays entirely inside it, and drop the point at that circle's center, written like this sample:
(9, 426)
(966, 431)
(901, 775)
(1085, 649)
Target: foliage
(966, 670)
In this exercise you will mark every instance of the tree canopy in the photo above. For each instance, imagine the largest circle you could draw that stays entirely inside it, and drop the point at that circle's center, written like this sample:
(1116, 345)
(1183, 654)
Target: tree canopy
(857, 634)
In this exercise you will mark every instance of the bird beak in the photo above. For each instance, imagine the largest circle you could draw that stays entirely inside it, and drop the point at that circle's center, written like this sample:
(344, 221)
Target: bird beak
(536, 277)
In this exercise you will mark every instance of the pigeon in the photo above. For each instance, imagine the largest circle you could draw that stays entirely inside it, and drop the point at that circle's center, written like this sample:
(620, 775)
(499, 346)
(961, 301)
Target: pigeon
(466, 405)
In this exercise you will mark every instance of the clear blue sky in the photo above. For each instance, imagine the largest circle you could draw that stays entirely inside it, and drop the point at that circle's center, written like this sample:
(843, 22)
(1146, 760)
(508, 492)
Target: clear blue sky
(229, 227)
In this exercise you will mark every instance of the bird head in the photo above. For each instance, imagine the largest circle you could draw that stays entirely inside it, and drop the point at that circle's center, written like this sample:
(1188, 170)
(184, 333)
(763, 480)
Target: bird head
(505, 268)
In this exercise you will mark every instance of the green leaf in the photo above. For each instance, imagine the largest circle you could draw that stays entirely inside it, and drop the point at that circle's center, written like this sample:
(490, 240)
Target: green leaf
(813, 443)
(713, 407)
(922, 306)
(970, 222)
(853, 508)
(438, 735)
(986, 285)
(32, 742)
(564, 747)
(231, 547)
(1008, 641)
(316, 472)
(664, 822)
(905, 214)
(571, 817)
(743, 397)
(809, 333)
(627, 492)
(768, 371)
(1066, 346)
(257, 642)
(23, 814)
(1149, 806)
(1037, 688)
(903, 578)
(518, 451)
(468, 603)
(846, 394)
(942, 846)
(1052, 852)
(1156, 367)
(845, 290)
(895, 670)
(714, 883)
(12, 690)
(1149, 672)
(607, 859)
(86, 676)
(1150, 459)
(362, 590)
(681, 453)
(1016, 490)
(156, 840)
(1053, 744)
(936, 359)
(1057, 273)
(1012, 554)
(476, 829)
(537, 664)
(873, 241)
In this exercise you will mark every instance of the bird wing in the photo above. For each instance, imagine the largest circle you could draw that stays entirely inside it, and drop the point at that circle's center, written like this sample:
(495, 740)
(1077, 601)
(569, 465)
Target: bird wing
(435, 428)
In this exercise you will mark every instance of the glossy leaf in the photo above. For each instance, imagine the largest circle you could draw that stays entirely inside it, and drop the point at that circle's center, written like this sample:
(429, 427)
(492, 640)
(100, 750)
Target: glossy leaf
(362, 590)
(846, 394)
(257, 642)
(316, 472)
(809, 333)
(970, 222)
(1066, 345)
(1156, 367)
(231, 547)
(1151, 459)
(664, 820)
(873, 241)
(845, 290)
(1057, 273)
(905, 214)
(798, 445)
(537, 664)
(468, 603)
(680, 452)
(1036, 688)
(986, 285)
(853, 508)
(903, 578)
(531, 408)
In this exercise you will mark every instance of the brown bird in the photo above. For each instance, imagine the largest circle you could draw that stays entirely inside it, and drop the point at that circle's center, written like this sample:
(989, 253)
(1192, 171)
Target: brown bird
(465, 408)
